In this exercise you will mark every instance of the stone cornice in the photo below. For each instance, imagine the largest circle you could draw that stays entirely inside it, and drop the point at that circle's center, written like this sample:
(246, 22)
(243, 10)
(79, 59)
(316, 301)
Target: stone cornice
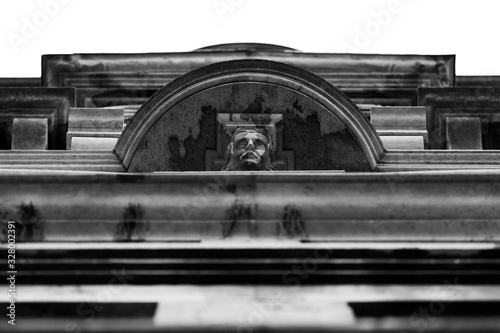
(300, 206)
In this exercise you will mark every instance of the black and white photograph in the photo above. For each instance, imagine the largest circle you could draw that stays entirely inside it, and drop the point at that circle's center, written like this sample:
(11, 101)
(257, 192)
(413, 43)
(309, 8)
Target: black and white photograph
(249, 166)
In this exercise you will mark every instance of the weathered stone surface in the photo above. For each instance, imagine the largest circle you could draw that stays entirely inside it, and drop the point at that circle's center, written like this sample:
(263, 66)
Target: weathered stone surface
(478, 81)
(319, 140)
(481, 101)
(96, 118)
(429, 160)
(6, 121)
(17, 162)
(235, 206)
(110, 79)
(463, 133)
(20, 82)
(36, 102)
(29, 134)
(399, 118)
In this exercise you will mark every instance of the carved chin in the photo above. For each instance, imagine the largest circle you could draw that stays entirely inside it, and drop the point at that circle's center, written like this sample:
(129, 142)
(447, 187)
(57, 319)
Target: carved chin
(252, 160)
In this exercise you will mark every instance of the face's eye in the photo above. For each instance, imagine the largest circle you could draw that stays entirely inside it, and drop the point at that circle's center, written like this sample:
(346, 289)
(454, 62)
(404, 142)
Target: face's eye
(259, 144)
(241, 144)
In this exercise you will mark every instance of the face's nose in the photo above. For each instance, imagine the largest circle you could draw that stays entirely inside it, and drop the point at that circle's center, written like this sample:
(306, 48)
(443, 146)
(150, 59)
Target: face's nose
(250, 145)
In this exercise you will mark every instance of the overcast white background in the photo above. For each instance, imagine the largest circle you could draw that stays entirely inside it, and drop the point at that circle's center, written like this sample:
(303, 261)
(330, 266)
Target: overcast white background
(468, 29)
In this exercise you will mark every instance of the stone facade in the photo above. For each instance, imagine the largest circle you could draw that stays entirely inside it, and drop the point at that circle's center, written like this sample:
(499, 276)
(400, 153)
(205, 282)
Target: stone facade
(385, 175)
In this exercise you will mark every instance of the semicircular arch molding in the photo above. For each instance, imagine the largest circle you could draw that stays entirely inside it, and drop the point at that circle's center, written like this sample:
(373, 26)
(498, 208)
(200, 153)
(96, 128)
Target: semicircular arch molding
(222, 81)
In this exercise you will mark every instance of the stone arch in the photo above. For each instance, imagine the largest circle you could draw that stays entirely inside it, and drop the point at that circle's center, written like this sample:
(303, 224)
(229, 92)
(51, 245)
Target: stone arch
(217, 82)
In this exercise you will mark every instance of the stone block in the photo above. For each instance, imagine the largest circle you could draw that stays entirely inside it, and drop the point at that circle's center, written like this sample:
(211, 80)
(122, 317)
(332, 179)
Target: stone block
(29, 134)
(93, 143)
(399, 117)
(93, 118)
(27, 162)
(84, 138)
(463, 133)
(94, 128)
(6, 121)
(402, 142)
(400, 128)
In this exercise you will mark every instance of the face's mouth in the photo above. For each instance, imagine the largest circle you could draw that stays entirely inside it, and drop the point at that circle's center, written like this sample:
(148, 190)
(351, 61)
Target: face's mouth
(250, 157)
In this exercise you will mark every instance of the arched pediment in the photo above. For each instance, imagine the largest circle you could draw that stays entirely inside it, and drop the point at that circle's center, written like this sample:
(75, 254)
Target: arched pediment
(181, 127)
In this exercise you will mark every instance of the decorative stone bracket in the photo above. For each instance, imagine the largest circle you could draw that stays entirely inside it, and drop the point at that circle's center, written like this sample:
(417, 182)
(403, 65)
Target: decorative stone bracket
(227, 123)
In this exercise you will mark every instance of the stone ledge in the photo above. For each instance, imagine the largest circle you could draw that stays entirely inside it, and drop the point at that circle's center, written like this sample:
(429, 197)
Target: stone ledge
(191, 206)
(348, 293)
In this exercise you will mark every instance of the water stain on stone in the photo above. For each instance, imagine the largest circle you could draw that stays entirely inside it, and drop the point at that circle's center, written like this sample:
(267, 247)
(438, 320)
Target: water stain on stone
(337, 149)
(186, 148)
(240, 210)
(257, 118)
(292, 224)
(175, 153)
(255, 106)
(297, 106)
(133, 225)
(30, 226)
(231, 188)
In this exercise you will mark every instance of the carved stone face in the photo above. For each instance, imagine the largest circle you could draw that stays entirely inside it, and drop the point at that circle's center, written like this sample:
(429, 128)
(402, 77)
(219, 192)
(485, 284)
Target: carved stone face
(249, 150)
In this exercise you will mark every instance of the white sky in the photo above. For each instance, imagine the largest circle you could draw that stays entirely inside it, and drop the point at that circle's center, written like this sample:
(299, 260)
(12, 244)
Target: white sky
(466, 28)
